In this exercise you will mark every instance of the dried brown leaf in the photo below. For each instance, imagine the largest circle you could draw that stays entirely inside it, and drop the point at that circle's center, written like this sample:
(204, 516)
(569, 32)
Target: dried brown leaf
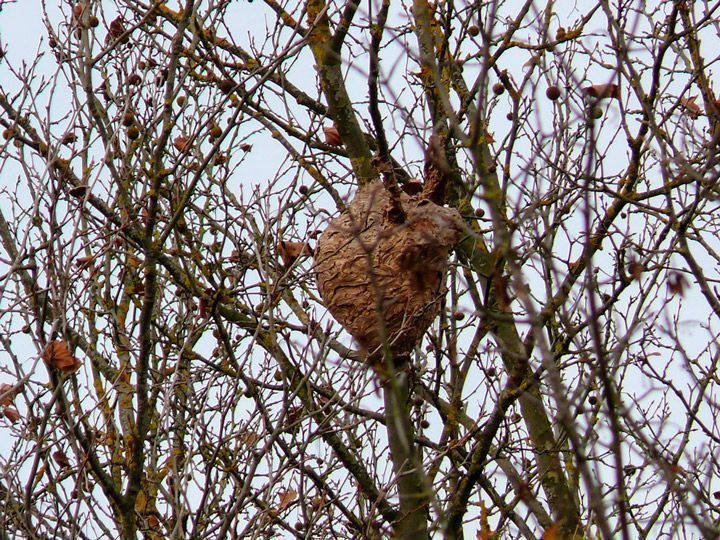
(182, 143)
(78, 191)
(603, 91)
(60, 458)
(7, 394)
(204, 308)
(692, 108)
(117, 27)
(676, 283)
(84, 262)
(57, 355)
(286, 497)
(290, 251)
(78, 10)
(332, 136)
(249, 438)
(11, 413)
(635, 268)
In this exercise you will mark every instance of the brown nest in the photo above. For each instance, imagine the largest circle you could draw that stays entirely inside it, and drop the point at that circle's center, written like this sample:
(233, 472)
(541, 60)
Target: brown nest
(381, 267)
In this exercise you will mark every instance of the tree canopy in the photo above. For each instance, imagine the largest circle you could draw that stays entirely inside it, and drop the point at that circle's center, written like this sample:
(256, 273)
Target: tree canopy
(531, 192)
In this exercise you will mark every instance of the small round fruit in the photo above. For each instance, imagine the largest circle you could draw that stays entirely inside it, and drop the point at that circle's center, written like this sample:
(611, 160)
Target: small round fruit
(425, 424)
(491, 371)
(93, 21)
(226, 86)
(552, 93)
(592, 400)
(498, 88)
(303, 190)
(473, 30)
(215, 130)
(133, 132)
(458, 315)
(596, 112)
(479, 212)
(509, 116)
(278, 376)
(128, 119)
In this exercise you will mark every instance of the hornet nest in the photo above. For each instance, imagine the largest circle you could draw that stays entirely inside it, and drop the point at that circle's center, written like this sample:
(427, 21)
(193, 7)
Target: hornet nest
(381, 264)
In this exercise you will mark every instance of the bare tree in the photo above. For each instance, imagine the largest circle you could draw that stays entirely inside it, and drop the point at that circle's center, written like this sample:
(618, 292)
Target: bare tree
(360, 270)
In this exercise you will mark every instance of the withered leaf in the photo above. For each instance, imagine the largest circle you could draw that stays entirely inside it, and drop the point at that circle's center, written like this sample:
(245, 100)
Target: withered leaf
(78, 10)
(182, 143)
(11, 413)
(286, 497)
(78, 191)
(692, 108)
(603, 91)
(293, 418)
(290, 251)
(84, 262)
(203, 307)
(676, 283)
(635, 268)
(57, 355)
(7, 394)
(60, 458)
(249, 438)
(117, 27)
(332, 136)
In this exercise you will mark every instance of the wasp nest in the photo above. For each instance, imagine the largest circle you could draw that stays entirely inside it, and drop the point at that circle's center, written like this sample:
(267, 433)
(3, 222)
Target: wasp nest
(381, 267)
